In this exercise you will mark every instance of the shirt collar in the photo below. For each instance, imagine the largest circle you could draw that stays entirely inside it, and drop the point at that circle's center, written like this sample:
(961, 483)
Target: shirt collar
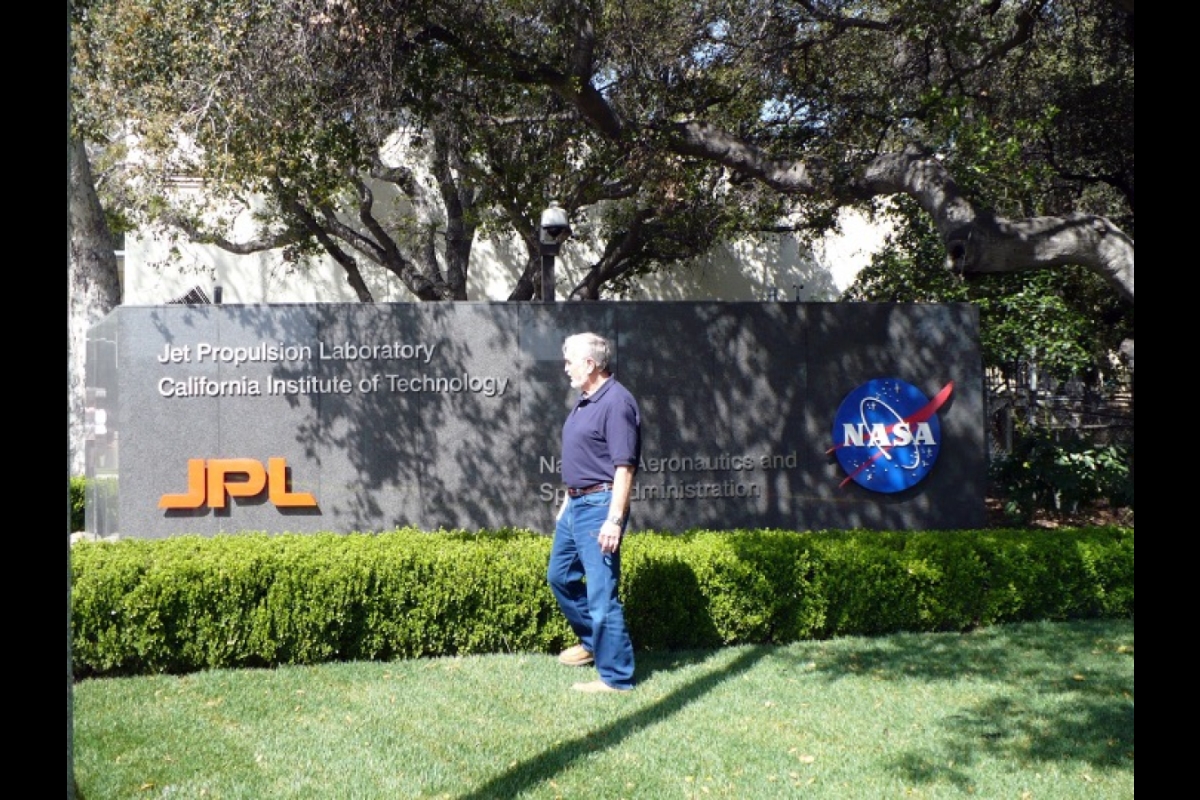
(585, 397)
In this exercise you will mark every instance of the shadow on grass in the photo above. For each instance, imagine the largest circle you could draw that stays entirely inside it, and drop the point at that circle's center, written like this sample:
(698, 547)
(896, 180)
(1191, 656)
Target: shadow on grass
(538, 770)
(1068, 702)
(1078, 709)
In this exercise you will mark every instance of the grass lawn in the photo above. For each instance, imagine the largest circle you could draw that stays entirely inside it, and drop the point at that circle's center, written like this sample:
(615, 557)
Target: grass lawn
(1032, 711)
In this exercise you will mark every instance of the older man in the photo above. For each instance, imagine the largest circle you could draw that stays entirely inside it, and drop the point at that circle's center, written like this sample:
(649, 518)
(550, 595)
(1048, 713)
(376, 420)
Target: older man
(601, 447)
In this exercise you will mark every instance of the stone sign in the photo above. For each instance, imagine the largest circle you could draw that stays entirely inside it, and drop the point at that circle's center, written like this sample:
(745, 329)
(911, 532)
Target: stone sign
(366, 417)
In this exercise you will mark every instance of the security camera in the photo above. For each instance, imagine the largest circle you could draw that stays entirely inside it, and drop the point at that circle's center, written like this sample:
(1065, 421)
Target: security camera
(555, 229)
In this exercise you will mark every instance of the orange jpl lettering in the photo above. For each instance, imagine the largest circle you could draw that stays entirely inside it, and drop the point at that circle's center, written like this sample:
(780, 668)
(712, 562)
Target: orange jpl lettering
(194, 496)
(219, 470)
(280, 496)
(214, 480)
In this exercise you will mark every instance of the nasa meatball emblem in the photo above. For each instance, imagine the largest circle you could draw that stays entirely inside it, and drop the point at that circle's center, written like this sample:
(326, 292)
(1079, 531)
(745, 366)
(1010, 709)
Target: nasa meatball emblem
(886, 434)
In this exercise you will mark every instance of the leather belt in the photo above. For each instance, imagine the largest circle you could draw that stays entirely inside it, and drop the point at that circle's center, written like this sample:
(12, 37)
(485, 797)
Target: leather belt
(598, 487)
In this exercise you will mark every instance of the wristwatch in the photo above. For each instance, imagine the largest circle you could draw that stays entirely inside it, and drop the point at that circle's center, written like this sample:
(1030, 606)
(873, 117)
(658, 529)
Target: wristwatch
(616, 518)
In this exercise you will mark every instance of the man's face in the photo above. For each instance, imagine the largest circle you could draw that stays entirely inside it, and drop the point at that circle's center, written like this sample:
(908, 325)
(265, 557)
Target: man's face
(578, 368)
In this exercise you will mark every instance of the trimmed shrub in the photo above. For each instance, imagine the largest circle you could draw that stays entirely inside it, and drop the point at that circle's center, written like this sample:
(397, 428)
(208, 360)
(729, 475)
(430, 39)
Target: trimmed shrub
(76, 499)
(188, 603)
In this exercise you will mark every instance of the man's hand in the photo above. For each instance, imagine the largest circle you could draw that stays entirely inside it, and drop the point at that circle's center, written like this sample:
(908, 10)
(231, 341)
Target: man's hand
(610, 537)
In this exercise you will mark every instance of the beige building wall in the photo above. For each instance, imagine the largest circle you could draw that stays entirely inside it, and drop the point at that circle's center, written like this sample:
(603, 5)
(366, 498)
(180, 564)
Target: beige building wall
(157, 271)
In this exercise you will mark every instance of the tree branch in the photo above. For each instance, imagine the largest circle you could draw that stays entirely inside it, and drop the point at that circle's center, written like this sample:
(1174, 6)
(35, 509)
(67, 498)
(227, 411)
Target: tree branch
(976, 241)
(979, 242)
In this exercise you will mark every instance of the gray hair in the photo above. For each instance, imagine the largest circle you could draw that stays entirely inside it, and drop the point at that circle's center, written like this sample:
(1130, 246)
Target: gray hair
(591, 345)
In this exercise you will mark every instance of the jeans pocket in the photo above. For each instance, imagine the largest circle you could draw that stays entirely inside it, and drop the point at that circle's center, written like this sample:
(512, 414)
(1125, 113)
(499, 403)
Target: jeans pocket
(591, 512)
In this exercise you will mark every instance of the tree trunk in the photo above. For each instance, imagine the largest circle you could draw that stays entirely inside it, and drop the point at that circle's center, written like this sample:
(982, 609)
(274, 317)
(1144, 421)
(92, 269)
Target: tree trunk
(93, 289)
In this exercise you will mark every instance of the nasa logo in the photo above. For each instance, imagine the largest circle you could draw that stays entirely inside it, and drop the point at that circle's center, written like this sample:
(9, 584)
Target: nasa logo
(887, 435)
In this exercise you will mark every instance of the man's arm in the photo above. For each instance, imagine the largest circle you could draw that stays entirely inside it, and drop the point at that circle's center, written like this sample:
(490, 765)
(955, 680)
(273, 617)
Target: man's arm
(618, 509)
(622, 490)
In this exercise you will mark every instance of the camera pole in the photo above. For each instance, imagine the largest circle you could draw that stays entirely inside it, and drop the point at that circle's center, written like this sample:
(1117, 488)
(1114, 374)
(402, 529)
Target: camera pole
(555, 230)
(548, 273)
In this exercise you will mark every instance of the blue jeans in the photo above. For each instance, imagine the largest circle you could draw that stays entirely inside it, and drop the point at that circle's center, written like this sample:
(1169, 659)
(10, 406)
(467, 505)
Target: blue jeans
(593, 606)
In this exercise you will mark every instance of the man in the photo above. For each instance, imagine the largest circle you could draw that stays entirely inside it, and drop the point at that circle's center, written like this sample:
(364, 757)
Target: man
(601, 447)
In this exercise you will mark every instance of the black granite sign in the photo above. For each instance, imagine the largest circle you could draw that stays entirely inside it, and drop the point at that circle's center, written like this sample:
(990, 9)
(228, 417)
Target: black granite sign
(356, 417)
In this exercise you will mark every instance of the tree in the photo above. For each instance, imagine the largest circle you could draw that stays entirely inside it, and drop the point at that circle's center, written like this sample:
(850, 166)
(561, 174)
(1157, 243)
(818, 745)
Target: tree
(824, 104)
(93, 288)
(853, 101)
(352, 142)
(1066, 323)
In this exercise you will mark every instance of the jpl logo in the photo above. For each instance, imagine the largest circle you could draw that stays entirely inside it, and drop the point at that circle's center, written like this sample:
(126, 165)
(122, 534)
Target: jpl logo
(210, 481)
(887, 435)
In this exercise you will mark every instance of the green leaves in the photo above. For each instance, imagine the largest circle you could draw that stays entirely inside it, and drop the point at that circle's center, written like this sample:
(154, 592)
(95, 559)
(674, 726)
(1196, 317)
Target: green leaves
(1062, 471)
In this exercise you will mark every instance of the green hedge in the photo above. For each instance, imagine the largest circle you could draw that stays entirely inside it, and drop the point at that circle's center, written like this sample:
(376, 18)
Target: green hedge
(76, 498)
(188, 603)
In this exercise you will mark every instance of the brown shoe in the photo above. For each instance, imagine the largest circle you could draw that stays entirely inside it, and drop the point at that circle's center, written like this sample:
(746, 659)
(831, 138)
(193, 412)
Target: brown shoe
(575, 656)
(596, 687)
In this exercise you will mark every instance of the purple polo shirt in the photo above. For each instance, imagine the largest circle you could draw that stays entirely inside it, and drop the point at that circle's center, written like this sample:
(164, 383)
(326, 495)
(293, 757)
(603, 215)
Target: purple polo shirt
(601, 432)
